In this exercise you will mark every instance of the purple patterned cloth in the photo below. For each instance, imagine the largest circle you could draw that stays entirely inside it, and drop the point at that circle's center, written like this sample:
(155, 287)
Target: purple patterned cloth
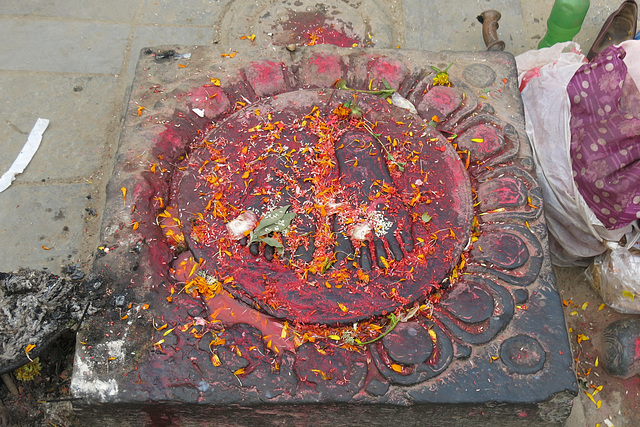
(605, 139)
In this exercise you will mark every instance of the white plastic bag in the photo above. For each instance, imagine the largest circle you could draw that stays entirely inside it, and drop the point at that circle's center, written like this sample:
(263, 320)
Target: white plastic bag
(575, 233)
(616, 276)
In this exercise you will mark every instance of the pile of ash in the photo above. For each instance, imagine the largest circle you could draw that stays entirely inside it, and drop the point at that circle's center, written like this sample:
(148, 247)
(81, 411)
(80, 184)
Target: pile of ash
(37, 306)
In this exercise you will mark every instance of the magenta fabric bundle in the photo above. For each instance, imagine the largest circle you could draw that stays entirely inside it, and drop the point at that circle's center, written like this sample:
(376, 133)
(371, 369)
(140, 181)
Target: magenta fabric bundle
(605, 138)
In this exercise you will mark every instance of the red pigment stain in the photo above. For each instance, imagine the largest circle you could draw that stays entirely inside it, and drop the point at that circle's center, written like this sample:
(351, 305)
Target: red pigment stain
(209, 98)
(226, 309)
(328, 64)
(392, 71)
(509, 194)
(484, 139)
(313, 29)
(182, 267)
(266, 72)
(161, 255)
(171, 142)
(443, 98)
(330, 36)
(170, 225)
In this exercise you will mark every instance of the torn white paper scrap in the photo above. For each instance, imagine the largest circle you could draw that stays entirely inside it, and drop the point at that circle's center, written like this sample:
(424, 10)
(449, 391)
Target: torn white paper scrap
(26, 154)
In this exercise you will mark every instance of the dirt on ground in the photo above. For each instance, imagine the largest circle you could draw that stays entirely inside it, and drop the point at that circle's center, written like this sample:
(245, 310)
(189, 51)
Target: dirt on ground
(605, 400)
(40, 313)
(45, 399)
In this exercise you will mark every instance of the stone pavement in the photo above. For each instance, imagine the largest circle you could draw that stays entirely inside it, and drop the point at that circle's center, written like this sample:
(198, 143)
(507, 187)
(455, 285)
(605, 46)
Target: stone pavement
(73, 63)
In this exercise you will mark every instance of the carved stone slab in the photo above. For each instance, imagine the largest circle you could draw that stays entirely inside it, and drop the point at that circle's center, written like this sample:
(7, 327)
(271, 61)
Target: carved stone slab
(451, 281)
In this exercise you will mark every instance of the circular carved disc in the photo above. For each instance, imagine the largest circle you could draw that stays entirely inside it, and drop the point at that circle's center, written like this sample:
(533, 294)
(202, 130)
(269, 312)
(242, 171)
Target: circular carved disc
(382, 205)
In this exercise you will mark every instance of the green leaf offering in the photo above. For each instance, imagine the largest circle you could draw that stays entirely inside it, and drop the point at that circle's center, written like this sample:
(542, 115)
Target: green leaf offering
(273, 242)
(356, 111)
(341, 84)
(276, 220)
(385, 93)
(393, 322)
(426, 217)
(327, 264)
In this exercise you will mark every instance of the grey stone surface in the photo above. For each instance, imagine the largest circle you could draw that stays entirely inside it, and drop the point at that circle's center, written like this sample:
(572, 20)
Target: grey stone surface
(74, 143)
(62, 46)
(521, 27)
(114, 10)
(464, 32)
(195, 12)
(422, 33)
(52, 216)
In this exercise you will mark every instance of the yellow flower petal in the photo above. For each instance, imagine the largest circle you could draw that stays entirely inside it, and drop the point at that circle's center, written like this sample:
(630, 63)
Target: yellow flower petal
(215, 360)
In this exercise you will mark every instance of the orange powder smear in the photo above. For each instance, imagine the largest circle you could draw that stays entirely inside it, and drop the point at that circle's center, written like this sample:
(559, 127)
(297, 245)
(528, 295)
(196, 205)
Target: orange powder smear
(228, 310)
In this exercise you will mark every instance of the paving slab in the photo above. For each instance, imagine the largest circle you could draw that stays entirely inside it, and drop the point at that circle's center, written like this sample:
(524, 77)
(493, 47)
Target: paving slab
(114, 11)
(521, 27)
(75, 141)
(466, 33)
(63, 46)
(193, 338)
(50, 222)
(193, 13)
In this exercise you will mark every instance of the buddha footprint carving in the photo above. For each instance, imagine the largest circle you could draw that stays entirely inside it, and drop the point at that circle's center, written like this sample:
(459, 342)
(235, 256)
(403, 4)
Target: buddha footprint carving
(373, 224)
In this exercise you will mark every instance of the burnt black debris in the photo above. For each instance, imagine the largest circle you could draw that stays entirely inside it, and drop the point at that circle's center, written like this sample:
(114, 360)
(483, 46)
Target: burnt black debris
(36, 307)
